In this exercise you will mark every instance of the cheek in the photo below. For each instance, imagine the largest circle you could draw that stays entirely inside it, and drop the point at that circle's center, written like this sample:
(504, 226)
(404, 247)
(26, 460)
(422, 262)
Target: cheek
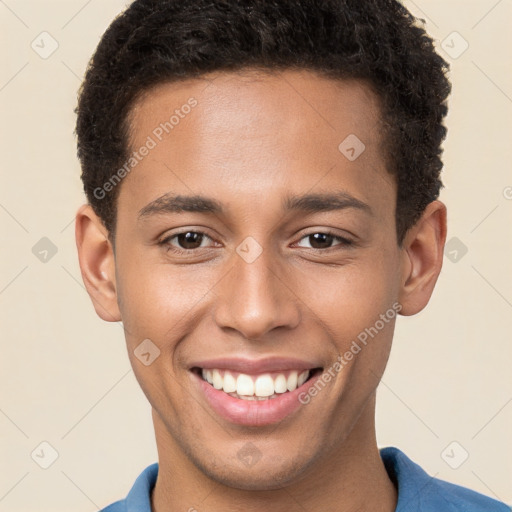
(348, 302)
(352, 297)
(158, 300)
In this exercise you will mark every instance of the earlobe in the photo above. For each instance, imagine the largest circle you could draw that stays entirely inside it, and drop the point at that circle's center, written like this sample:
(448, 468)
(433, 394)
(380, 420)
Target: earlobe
(97, 263)
(422, 253)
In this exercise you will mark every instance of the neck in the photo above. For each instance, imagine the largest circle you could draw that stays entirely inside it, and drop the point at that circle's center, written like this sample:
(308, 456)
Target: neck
(351, 477)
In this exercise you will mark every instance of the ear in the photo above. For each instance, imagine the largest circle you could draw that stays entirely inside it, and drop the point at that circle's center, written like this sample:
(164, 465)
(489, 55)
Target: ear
(97, 263)
(422, 252)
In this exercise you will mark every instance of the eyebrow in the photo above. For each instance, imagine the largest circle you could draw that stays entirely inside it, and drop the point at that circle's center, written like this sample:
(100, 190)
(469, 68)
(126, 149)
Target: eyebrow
(313, 203)
(169, 203)
(308, 203)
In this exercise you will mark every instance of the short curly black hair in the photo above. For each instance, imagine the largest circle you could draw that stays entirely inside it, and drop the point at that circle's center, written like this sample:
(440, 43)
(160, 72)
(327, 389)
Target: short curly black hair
(377, 41)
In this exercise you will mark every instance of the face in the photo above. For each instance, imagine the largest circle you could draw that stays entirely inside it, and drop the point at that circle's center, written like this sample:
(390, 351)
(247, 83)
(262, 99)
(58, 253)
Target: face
(256, 255)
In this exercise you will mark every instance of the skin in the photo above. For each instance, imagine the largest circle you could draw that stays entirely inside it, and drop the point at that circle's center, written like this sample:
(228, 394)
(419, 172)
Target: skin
(253, 140)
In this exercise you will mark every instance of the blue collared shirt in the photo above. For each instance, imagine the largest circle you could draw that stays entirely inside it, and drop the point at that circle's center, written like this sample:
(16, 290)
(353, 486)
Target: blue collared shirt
(417, 491)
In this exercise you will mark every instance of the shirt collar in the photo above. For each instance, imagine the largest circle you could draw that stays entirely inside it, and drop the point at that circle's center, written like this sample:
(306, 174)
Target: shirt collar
(139, 497)
(412, 483)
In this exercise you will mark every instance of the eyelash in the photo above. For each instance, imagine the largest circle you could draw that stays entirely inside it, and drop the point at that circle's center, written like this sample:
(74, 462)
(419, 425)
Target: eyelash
(343, 242)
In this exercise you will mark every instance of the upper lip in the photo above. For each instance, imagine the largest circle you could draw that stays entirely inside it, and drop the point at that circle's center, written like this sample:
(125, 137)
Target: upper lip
(244, 365)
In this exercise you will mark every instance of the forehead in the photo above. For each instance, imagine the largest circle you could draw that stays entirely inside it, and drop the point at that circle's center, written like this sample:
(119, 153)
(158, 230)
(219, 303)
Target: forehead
(254, 96)
(262, 131)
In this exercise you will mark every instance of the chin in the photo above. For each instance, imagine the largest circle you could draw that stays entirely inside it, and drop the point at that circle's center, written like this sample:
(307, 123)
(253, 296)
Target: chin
(265, 475)
(250, 465)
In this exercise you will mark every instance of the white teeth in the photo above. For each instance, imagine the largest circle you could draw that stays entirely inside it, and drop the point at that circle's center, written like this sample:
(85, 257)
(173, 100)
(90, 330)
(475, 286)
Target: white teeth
(303, 377)
(280, 384)
(207, 376)
(264, 386)
(217, 379)
(244, 385)
(291, 382)
(249, 387)
(229, 383)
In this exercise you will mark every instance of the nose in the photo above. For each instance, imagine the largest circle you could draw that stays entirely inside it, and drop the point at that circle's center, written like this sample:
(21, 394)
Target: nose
(254, 298)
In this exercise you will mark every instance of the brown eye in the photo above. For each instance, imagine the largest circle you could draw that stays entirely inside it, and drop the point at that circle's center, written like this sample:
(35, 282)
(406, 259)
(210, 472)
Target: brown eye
(320, 240)
(189, 240)
(186, 241)
(323, 241)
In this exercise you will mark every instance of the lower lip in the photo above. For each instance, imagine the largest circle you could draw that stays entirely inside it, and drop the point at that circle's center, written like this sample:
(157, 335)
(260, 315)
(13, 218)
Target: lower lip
(254, 413)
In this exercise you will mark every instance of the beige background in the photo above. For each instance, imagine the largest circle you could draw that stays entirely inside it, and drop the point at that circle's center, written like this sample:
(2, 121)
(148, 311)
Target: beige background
(65, 374)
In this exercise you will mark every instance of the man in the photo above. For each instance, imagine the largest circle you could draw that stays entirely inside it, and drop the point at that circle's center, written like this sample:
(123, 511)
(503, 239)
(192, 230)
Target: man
(262, 180)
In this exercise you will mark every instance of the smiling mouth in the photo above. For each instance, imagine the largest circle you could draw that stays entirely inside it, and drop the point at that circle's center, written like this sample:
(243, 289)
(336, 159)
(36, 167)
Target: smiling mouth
(264, 386)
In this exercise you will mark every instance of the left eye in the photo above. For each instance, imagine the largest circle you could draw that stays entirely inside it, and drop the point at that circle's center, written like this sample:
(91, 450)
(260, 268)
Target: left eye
(323, 241)
(187, 240)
